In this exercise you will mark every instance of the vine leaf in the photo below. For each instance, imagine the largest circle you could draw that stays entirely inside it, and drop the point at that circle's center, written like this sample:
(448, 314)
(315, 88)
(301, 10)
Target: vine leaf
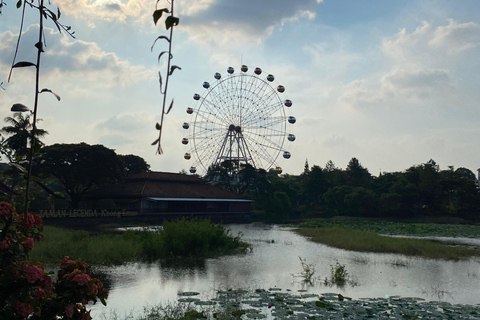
(18, 167)
(160, 37)
(161, 82)
(173, 69)
(161, 54)
(170, 108)
(22, 64)
(48, 90)
(158, 126)
(157, 14)
(39, 46)
(19, 4)
(171, 21)
(156, 141)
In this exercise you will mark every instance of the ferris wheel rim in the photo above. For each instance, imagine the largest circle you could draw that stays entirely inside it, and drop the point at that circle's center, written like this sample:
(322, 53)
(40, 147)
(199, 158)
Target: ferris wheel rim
(263, 130)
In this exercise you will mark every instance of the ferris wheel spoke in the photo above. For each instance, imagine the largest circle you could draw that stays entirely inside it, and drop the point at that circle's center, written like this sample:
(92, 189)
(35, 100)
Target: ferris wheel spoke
(256, 123)
(240, 116)
(218, 101)
(212, 110)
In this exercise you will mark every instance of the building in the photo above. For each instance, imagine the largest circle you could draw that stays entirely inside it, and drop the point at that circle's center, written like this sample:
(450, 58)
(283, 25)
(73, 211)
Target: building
(170, 194)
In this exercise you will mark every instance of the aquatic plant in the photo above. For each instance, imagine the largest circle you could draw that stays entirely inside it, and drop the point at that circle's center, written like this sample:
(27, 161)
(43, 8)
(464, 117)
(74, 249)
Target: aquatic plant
(176, 239)
(339, 274)
(308, 270)
(369, 241)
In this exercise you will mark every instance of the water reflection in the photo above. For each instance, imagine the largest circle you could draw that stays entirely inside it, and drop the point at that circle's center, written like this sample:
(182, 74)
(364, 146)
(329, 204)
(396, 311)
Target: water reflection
(273, 261)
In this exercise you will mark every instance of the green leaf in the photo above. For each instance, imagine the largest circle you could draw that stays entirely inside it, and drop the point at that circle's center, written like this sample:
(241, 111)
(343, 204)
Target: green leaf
(155, 142)
(160, 37)
(161, 81)
(157, 14)
(173, 69)
(22, 64)
(39, 46)
(161, 54)
(158, 126)
(171, 21)
(19, 4)
(48, 90)
(18, 167)
(170, 108)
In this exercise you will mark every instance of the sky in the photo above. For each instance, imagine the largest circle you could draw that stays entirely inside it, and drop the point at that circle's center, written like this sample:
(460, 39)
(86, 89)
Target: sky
(391, 83)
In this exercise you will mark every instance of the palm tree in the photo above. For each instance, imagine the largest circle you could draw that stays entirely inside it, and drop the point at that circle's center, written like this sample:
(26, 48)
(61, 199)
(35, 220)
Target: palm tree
(20, 131)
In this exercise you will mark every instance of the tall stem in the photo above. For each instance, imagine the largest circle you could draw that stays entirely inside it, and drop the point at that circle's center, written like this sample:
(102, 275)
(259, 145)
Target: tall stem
(35, 105)
(159, 149)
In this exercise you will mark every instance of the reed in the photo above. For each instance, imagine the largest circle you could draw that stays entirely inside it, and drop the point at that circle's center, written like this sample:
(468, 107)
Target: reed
(178, 239)
(369, 241)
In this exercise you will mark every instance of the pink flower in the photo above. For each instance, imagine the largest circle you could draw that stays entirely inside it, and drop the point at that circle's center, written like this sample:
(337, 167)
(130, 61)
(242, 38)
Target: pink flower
(46, 282)
(82, 279)
(4, 244)
(38, 220)
(32, 273)
(23, 309)
(28, 243)
(29, 221)
(69, 310)
(6, 208)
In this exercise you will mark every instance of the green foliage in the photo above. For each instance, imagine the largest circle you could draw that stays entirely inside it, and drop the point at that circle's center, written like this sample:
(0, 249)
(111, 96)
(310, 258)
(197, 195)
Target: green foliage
(369, 241)
(170, 22)
(27, 291)
(421, 190)
(308, 270)
(338, 274)
(186, 238)
(80, 167)
(177, 239)
(133, 164)
(400, 228)
(20, 132)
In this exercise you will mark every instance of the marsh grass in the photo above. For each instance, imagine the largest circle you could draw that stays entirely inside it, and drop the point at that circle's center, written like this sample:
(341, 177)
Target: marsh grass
(178, 239)
(369, 241)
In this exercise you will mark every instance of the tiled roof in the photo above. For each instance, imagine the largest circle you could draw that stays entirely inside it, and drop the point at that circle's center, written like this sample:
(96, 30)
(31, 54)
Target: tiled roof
(165, 185)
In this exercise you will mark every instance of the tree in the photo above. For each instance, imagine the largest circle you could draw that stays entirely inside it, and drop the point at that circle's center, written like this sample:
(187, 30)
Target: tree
(357, 175)
(314, 185)
(133, 164)
(80, 167)
(20, 131)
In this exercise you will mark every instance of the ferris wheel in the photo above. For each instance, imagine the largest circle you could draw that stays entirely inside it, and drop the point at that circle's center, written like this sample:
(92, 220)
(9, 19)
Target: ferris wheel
(242, 117)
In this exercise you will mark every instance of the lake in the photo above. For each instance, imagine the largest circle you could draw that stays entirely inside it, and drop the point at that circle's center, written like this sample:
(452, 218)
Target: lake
(273, 263)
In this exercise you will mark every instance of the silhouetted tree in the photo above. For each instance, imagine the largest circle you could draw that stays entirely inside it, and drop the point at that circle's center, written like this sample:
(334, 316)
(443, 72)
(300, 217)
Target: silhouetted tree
(80, 167)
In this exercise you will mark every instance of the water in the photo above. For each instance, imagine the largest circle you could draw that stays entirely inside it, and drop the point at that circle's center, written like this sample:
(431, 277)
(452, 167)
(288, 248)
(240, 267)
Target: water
(274, 261)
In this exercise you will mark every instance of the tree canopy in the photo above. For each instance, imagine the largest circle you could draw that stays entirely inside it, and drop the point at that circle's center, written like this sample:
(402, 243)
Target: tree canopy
(80, 167)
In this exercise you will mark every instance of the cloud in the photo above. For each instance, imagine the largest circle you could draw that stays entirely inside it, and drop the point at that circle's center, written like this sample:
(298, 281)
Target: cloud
(74, 59)
(251, 21)
(424, 68)
(428, 45)
(111, 10)
(126, 123)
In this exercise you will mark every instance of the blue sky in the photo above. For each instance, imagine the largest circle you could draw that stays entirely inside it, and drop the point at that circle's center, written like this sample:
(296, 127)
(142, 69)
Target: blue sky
(392, 83)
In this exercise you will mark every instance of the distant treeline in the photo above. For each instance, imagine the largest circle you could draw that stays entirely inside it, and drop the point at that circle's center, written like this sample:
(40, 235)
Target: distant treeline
(421, 190)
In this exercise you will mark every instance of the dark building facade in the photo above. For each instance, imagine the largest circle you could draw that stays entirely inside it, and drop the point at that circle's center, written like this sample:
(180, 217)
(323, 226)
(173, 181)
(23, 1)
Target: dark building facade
(164, 193)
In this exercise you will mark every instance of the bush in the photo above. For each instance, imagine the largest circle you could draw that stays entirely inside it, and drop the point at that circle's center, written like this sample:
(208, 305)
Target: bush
(26, 290)
(187, 238)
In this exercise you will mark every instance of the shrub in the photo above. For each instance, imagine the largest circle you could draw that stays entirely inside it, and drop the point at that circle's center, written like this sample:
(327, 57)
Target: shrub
(26, 290)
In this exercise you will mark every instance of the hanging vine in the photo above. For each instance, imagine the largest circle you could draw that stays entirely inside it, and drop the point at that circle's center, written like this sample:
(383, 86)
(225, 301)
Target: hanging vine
(170, 22)
(44, 14)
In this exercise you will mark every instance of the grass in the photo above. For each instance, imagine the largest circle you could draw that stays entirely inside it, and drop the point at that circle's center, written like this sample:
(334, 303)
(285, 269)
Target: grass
(369, 241)
(178, 239)
(400, 228)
